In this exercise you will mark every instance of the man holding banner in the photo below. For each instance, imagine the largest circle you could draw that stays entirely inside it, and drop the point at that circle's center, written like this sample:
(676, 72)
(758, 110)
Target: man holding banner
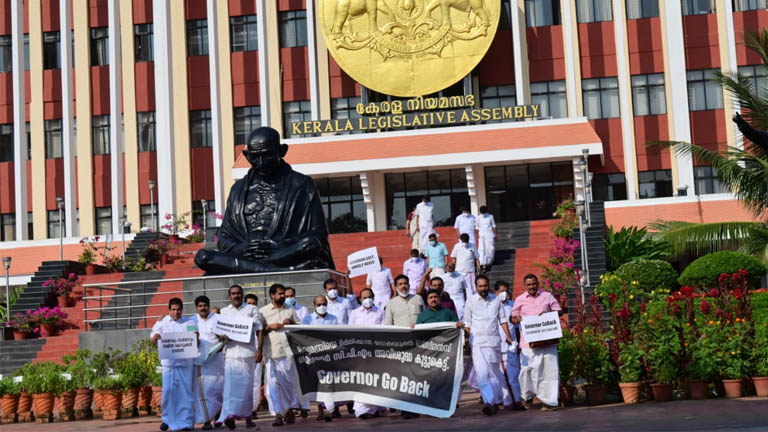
(178, 402)
(209, 367)
(338, 306)
(325, 410)
(382, 283)
(367, 315)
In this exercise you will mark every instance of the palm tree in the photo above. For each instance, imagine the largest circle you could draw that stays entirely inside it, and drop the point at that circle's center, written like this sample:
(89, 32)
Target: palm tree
(743, 171)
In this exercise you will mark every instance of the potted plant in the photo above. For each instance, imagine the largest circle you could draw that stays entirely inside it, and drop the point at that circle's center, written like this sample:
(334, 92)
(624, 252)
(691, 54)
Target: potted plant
(62, 288)
(593, 363)
(158, 251)
(566, 351)
(78, 365)
(761, 359)
(9, 391)
(736, 358)
(197, 236)
(110, 388)
(50, 320)
(663, 349)
(157, 391)
(135, 371)
(23, 326)
(88, 254)
(174, 224)
(44, 381)
(66, 399)
(148, 361)
(25, 398)
(630, 371)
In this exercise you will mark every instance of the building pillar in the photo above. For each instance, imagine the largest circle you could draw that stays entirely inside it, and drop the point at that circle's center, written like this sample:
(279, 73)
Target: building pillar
(625, 98)
(67, 119)
(37, 120)
(19, 120)
(729, 66)
(85, 201)
(131, 144)
(273, 68)
(225, 105)
(379, 200)
(470, 172)
(478, 172)
(115, 114)
(368, 195)
(314, 87)
(218, 148)
(164, 115)
(264, 95)
(520, 52)
(572, 58)
(182, 150)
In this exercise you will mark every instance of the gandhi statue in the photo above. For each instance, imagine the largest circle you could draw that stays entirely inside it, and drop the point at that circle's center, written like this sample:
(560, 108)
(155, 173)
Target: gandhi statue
(274, 219)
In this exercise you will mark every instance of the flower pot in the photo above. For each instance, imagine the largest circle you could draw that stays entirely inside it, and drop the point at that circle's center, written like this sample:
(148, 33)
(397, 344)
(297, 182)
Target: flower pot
(98, 401)
(748, 387)
(131, 398)
(111, 401)
(732, 387)
(25, 403)
(761, 386)
(566, 394)
(630, 391)
(662, 392)
(164, 259)
(647, 389)
(173, 238)
(698, 389)
(145, 397)
(63, 301)
(43, 403)
(48, 330)
(9, 403)
(595, 394)
(67, 402)
(157, 396)
(90, 269)
(19, 334)
(83, 399)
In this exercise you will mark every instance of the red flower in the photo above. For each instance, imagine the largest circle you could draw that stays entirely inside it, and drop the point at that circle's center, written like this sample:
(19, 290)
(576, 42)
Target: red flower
(612, 298)
(670, 299)
(713, 292)
(743, 272)
(705, 307)
(737, 294)
(723, 277)
(736, 277)
(686, 291)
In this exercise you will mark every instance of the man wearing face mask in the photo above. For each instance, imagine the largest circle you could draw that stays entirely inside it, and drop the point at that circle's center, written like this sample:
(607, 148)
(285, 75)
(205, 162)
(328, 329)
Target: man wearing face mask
(437, 255)
(465, 260)
(338, 306)
(290, 302)
(483, 315)
(510, 360)
(209, 376)
(424, 211)
(382, 283)
(414, 267)
(367, 314)
(455, 284)
(436, 284)
(279, 371)
(253, 300)
(326, 410)
(465, 224)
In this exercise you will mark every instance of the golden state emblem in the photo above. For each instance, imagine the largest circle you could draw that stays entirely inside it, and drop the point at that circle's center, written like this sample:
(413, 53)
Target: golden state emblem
(408, 47)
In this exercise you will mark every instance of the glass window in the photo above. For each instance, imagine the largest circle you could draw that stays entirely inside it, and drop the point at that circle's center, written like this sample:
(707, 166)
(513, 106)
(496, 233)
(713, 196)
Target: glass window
(53, 224)
(293, 28)
(703, 93)
(143, 36)
(593, 11)
(246, 119)
(342, 199)
(642, 9)
(345, 108)
(655, 184)
(542, 13)
(757, 76)
(29, 141)
(6, 142)
(145, 211)
(8, 228)
(200, 134)
(99, 46)
(745, 5)
(244, 33)
(609, 187)
(550, 96)
(103, 220)
(197, 213)
(100, 137)
(527, 192)
(297, 111)
(601, 97)
(197, 37)
(54, 147)
(648, 97)
(706, 180)
(698, 7)
(6, 54)
(498, 97)
(145, 122)
(446, 188)
(51, 50)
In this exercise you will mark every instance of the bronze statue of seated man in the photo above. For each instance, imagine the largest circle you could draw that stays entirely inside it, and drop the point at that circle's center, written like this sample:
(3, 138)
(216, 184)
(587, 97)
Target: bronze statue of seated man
(274, 219)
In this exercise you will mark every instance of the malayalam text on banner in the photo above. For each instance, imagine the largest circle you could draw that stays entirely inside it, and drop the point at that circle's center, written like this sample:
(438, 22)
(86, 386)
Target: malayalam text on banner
(178, 345)
(542, 327)
(237, 329)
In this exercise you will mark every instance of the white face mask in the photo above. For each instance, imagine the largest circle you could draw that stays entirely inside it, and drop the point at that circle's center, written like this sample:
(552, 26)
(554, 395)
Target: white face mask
(332, 294)
(321, 310)
(290, 301)
(368, 303)
(503, 296)
(403, 294)
(413, 259)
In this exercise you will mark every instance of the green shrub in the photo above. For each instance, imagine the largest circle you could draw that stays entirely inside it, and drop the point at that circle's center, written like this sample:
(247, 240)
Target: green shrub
(112, 383)
(650, 274)
(7, 386)
(759, 308)
(631, 243)
(566, 352)
(44, 377)
(630, 362)
(592, 360)
(703, 272)
(79, 365)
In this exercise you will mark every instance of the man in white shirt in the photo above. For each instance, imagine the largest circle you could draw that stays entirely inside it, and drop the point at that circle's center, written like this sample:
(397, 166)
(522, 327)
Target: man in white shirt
(510, 360)
(325, 410)
(486, 230)
(465, 224)
(178, 401)
(290, 301)
(338, 306)
(483, 315)
(455, 284)
(424, 211)
(415, 267)
(367, 314)
(209, 375)
(241, 357)
(465, 259)
(382, 283)
(253, 300)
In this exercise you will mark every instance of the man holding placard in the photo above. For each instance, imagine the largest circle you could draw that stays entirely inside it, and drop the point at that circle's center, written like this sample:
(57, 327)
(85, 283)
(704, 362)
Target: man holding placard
(539, 372)
(382, 283)
(209, 366)
(176, 358)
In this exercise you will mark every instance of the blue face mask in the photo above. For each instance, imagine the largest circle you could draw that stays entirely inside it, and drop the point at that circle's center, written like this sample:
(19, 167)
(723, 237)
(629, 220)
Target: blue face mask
(290, 301)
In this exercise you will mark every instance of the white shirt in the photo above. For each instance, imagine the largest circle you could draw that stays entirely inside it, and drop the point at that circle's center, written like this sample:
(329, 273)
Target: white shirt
(424, 212)
(465, 254)
(207, 338)
(339, 308)
(508, 313)
(483, 316)
(465, 223)
(380, 282)
(235, 349)
(168, 325)
(315, 319)
(362, 316)
(455, 285)
(485, 224)
(301, 311)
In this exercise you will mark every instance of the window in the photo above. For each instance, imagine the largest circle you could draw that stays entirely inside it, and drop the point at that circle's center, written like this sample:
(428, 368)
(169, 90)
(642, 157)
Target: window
(542, 13)
(551, 97)
(6, 54)
(504, 23)
(527, 192)
(51, 50)
(145, 211)
(698, 7)
(342, 199)
(648, 97)
(609, 187)
(197, 37)
(143, 36)
(703, 93)
(497, 97)
(29, 141)
(706, 180)
(601, 97)
(53, 224)
(642, 9)
(745, 5)
(6, 142)
(246, 119)
(588, 11)
(54, 147)
(293, 29)
(8, 227)
(244, 33)
(103, 220)
(345, 108)
(446, 188)
(200, 128)
(297, 111)
(100, 135)
(757, 75)
(655, 184)
(99, 46)
(145, 122)
(197, 213)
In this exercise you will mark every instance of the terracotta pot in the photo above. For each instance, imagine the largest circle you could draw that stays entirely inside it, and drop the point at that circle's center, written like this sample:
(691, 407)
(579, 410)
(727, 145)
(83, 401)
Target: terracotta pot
(25, 403)
(157, 396)
(647, 389)
(83, 399)
(19, 335)
(732, 388)
(761, 386)
(566, 394)
(48, 330)
(43, 403)
(145, 396)
(90, 269)
(698, 389)
(9, 404)
(748, 386)
(630, 391)
(131, 398)
(63, 301)
(111, 401)
(98, 400)
(67, 402)
(662, 392)
(173, 238)
(164, 259)
(595, 394)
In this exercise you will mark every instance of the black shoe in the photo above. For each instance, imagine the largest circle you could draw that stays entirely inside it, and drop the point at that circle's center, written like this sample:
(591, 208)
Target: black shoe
(290, 418)
(304, 413)
(187, 429)
(255, 414)
(216, 425)
(365, 416)
(163, 427)
(408, 415)
(489, 409)
(230, 423)
(350, 409)
(336, 413)
(207, 426)
(278, 421)
(249, 423)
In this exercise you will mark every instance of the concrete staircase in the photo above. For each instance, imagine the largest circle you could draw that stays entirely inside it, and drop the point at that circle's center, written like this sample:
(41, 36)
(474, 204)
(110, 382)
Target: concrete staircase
(139, 244)
(541, 240)
(35, 294)
(123, 318)
(16, 353)
(512, 237)
(596, 259)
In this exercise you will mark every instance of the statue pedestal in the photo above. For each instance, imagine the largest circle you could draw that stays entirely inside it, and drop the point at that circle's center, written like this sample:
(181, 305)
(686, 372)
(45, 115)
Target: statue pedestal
(307, 283)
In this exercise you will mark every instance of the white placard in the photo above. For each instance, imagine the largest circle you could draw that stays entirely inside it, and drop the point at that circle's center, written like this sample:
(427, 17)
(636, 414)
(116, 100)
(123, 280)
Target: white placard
(363, 262)
(542, 327)
(18, 379)
(67, 376)
(235, 328)
(178, 345)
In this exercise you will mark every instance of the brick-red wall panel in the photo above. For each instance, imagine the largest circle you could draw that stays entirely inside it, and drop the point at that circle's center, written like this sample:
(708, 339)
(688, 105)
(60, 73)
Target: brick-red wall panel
(98, 13)
(242, 7)
(646, 52)
(701, 43)
(342, 85)
(54, 181)
(295, 73)
(202, 173)
(145, 86)
(546, 53)
(50, 15)
(51, 85)
(6, 97)
(744, 22)
(708, 129)
(198, 83)
(195, 9)
(99, 90)
(5, 17)
(26, 16)
(7, 197)
(498, 67)
(597, 50)
(609, 131)
(142, 11)
(147, 172)
(650, 129)
(52, 110)
(102, 180)
(27, 90)
(286, 5)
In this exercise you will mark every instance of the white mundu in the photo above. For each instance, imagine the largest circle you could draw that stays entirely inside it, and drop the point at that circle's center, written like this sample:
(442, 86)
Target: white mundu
(426, 223)
(466, 254)
(483, 316)
(486, 246)
(178, 401)
(465, 223)
(209, 377)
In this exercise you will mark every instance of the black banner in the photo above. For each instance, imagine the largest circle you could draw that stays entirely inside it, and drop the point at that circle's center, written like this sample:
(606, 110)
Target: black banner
(417, 370)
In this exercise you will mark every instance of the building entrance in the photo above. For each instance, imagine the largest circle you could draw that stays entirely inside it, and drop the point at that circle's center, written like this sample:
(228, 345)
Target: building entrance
(527, 192)
(446, 188)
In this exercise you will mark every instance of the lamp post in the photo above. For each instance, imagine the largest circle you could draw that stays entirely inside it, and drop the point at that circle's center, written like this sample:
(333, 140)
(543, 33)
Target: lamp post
(124, 224)
(152, 202)
(7, 265)
(60, 206)
(583, 246)
(204, 204)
